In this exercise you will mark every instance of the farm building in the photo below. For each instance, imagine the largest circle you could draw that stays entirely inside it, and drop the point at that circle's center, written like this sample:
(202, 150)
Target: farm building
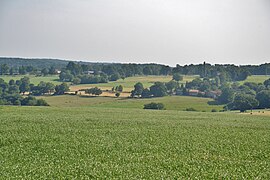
(213, 94)
(193, 92)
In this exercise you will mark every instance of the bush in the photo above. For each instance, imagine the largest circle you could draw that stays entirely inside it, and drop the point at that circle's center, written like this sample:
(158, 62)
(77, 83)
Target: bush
(158, 106)
(76, 81)
(94, 91)
(214, 110)
(17, 103)
(41, 102)
(117, 94)
(191, 109)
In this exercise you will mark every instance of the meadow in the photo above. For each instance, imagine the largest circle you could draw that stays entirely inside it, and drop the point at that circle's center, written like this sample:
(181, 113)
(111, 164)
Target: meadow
(34, 79)
(180, 103)
(128, 83)
(256, 79)
(107, 143)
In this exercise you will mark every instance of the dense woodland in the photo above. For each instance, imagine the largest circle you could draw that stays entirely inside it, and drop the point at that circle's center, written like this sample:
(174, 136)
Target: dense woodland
(112, 71)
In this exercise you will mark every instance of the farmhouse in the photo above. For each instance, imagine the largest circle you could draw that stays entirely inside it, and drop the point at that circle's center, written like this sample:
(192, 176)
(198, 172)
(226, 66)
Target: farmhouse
(89, 72)
(213, 94)
(193, 92)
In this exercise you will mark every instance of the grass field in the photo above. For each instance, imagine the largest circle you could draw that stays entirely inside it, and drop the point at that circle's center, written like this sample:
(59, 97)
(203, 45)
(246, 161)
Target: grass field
(256, 79)
(107, 143)
(171, 102)
(33, 79)
(129, 82)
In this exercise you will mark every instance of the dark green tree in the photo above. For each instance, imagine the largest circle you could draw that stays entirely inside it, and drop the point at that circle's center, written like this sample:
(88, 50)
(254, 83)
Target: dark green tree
(244, 102)
(264, 99)
(138, 89)
(158, 89)
(61, 89)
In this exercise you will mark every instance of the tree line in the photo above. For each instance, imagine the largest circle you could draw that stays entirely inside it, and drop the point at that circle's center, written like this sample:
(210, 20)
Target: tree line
(23, 70)
(102, 73)
(233, 96)
(13, 92)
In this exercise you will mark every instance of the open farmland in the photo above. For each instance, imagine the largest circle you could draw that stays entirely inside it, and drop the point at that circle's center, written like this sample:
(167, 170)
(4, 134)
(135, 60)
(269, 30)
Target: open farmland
(88, 142)
(34, 79)
(128, 83)
(256, 79)
(171, 102)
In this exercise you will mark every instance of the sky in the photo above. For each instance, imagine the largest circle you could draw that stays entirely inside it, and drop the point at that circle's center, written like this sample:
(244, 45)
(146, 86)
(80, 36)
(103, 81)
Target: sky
(143, 31)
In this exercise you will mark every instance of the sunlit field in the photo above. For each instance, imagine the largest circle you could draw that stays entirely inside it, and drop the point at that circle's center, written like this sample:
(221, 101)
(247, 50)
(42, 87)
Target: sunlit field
(256, 79)
(121, 143)
(180, 103)
(128, 83)
(34, 79)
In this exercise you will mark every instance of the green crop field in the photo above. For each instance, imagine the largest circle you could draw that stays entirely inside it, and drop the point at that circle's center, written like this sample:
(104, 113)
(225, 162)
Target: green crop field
(84, 137)
(33, 79)
(107, 143)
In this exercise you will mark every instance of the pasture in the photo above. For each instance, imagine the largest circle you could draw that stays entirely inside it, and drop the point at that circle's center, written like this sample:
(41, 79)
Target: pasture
(107, 143)
(128, 83)
(34, 79)
(180, 103)
(256, 79)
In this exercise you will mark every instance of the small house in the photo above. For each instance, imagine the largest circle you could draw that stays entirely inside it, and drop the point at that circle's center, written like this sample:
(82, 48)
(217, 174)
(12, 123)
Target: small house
(193, 92)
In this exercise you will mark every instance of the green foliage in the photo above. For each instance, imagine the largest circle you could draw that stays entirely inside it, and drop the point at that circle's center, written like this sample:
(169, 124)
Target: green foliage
(94, 91)
(264, 98)
(177, 77)
(66, 76)
(61, 89)
(146, 93)
(158, 89)
(24, 85)
(244, 102)
(115, 77)
(45, 71)
(76, 81)
(191, 109)
(118, 88)
(117, 94)
(42, 88)
(267, 82)
(138, 89)
(171, 86)
(226, 96)
(93, 79)
(152, 105)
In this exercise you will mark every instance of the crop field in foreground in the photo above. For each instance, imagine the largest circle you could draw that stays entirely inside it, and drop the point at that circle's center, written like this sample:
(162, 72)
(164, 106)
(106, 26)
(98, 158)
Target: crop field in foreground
(106, 143)
(171, 102)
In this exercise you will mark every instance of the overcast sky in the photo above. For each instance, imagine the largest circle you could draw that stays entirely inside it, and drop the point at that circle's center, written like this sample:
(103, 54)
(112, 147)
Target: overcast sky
(161, 31)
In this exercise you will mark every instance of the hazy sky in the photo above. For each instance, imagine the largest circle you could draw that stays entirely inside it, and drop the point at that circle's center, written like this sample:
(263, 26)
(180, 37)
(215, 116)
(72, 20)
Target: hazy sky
(161, 31)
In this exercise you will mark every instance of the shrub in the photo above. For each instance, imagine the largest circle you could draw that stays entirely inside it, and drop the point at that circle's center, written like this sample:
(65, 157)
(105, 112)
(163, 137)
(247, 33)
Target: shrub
(41, 102)
(158, 106)
(191, 109)
(214, 110)
(17, 103)
(117, 94)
